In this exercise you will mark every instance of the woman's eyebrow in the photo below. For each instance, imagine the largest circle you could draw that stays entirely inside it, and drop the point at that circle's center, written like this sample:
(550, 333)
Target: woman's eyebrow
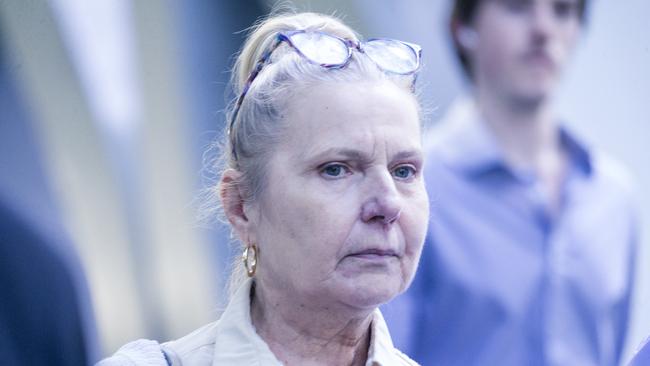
(408, 154)
(347, 153)
(355, 154)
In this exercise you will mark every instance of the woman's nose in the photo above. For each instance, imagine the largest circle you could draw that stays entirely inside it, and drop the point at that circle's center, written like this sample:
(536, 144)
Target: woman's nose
(382, 204)
(380, 210)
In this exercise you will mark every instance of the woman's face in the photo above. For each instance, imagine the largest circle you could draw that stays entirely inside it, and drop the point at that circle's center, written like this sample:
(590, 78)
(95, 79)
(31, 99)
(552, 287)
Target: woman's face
(343, 214)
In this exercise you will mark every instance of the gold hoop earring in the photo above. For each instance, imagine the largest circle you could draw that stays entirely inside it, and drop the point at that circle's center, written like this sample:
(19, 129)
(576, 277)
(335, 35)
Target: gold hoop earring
(249, 257)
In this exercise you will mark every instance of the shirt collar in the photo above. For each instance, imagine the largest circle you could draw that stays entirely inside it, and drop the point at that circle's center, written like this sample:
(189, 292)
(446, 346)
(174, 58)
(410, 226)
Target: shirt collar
(577, 150)
(381, 351)
(237, 342)
(466, 143)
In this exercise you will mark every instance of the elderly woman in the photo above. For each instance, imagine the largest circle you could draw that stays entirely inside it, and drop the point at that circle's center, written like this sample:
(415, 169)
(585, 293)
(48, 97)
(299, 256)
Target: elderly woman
(322, 184)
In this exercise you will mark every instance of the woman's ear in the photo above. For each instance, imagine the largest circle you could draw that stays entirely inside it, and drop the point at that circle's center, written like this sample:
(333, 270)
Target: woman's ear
(234, 200)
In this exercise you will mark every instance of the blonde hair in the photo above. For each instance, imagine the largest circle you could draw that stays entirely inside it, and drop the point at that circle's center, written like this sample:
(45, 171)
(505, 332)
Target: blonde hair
(259, 125)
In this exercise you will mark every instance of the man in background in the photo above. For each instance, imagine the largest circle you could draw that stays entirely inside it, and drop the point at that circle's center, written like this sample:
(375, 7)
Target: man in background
(530, 250)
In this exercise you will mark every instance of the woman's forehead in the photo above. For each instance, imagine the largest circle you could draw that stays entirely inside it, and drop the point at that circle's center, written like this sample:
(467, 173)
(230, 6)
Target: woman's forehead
(340, 103)
(351, 113)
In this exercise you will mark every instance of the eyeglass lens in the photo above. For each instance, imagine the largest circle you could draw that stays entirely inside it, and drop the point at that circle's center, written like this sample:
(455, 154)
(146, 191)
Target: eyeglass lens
(321, 48)
(391, 55)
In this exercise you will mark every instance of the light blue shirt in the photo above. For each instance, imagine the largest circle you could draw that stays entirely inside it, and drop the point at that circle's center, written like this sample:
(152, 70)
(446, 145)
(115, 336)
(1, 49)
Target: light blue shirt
(502, 281)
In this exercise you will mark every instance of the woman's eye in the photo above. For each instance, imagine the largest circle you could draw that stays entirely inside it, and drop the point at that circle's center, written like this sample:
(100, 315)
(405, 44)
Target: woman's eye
(334, 170)
(404, 172)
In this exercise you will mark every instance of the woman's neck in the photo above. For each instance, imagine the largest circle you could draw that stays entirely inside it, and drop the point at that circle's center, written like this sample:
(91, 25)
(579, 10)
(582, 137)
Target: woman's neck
(303, 333)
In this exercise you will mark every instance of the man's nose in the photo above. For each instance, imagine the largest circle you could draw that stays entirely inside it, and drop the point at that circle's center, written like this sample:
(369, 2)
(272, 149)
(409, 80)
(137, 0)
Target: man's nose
(542, 20)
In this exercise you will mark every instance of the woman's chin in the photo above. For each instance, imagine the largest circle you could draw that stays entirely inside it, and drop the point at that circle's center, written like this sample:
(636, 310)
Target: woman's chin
(369, 292)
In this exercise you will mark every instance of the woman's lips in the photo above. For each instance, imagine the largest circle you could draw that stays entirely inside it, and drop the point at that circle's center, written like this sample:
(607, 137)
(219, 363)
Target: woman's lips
(374, 254)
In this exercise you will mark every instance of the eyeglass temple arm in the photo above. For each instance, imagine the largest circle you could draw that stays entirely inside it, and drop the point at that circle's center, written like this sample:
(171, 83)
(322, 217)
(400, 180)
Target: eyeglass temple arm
(258, 67)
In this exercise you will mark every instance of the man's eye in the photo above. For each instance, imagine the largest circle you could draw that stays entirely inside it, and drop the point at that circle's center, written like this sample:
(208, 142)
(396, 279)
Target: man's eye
(565, 9)
(404, 172)
(517, 6)
(334, 170)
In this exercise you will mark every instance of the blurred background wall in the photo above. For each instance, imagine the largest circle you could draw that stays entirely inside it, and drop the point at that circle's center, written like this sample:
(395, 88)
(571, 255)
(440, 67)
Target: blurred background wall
(107, 108)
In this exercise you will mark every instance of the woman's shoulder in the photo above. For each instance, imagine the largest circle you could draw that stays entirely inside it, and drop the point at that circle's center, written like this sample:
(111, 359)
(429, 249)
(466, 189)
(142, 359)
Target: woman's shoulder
(194, 349)
(137, 353)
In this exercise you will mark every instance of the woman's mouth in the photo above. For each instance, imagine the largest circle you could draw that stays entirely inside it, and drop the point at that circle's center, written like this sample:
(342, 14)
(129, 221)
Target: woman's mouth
(374, 254)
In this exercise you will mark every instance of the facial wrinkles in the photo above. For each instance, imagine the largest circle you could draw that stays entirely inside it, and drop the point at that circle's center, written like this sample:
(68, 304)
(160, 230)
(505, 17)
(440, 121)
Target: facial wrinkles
(385, 194)
(304, 212)
(280, 205)
(371, 180)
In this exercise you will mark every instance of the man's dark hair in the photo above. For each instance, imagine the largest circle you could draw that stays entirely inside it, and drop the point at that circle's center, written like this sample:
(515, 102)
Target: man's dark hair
(463, 13)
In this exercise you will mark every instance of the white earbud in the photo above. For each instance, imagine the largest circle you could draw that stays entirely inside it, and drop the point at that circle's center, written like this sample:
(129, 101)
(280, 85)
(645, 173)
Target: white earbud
(467, 37)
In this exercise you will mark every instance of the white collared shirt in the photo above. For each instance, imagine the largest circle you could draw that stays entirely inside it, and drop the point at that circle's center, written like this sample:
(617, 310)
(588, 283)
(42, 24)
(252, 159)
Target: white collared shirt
(232, 340)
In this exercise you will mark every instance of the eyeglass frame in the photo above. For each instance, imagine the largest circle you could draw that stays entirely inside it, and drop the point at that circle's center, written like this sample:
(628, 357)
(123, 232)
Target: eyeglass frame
(286, 37)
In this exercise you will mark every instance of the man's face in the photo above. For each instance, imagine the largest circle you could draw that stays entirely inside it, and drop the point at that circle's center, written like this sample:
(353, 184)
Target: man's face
(522, 46)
